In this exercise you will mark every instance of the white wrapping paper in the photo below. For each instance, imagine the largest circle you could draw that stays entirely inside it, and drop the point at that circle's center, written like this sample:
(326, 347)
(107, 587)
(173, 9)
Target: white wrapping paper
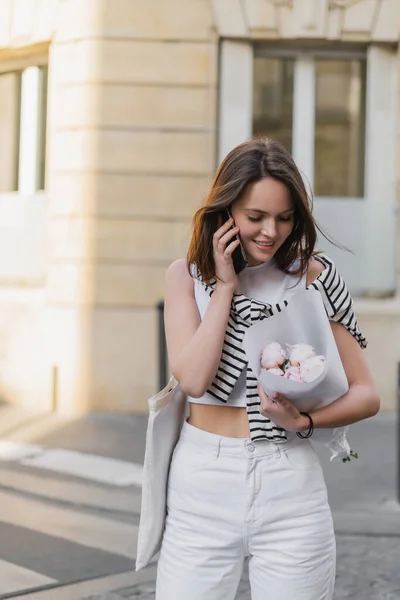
(304, 320)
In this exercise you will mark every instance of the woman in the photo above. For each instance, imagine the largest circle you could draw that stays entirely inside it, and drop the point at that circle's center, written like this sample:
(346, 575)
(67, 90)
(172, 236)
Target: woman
(242, 482)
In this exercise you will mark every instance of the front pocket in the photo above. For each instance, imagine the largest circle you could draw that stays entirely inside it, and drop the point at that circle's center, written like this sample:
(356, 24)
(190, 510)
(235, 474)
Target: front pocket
(301, 457)
(187, 460)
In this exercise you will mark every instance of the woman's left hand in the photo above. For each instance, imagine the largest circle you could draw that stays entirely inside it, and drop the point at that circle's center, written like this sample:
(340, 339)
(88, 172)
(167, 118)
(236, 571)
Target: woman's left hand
(281, 411)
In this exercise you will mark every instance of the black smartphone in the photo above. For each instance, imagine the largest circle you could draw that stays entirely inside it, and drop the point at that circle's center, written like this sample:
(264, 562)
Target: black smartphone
(239, 257)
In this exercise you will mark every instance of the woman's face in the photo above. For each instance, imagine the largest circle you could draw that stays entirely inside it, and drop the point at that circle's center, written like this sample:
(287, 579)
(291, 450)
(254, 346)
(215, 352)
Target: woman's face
(265, 217)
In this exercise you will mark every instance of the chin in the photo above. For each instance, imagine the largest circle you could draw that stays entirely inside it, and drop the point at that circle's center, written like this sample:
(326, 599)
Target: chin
(254, 261)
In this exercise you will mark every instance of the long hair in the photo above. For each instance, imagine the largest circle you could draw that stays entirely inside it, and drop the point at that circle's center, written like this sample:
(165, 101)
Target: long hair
(248, 163)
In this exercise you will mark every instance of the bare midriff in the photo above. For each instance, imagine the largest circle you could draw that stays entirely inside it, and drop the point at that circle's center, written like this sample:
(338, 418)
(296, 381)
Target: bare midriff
(228, 421)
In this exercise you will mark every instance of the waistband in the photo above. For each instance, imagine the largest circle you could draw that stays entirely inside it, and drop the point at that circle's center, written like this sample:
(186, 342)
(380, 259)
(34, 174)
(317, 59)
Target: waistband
(235, 446)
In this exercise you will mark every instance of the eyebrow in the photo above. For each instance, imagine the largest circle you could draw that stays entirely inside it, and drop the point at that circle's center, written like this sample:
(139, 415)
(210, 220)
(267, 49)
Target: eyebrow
(262, 212)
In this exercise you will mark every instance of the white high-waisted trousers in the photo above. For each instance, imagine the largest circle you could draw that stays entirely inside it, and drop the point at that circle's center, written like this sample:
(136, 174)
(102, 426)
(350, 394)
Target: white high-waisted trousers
(230, 498)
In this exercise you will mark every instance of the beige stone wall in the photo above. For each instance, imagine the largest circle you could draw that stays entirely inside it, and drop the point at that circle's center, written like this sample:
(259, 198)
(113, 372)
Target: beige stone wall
(131, 148)
(380, 322)
(133, 151)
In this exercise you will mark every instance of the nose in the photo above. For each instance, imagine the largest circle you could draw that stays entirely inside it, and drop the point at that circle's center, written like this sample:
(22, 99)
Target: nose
(269, 229)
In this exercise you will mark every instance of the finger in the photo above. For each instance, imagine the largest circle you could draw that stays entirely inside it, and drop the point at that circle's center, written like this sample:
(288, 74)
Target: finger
(267, 407)
(280, 399)
(231, 248)
(266, 402)
(227, 237)
(223, 229)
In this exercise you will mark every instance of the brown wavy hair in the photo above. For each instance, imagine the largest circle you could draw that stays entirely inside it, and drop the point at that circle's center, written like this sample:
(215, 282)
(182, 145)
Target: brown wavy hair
(247, 163)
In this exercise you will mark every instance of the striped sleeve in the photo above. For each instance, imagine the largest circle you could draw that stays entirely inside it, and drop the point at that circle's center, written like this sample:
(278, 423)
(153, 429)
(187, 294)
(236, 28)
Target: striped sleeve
(337, 299)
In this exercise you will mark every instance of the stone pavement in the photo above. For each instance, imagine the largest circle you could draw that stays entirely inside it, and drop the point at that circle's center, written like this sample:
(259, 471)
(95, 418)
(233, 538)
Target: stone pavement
(70, 501)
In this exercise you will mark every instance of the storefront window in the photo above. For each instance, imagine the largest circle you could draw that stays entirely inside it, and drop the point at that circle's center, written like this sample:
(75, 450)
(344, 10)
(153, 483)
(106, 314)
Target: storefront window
(10, 105)
(273, 98)
(339, 127)
(23, 129)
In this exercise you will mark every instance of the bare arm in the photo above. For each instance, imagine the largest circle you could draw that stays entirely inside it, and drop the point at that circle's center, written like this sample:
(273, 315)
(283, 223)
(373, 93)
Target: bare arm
(194, 346)
(362, 399)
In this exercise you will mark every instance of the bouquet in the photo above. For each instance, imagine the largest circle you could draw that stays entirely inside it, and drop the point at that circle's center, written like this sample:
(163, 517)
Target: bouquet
(313, 380)
(299, 363)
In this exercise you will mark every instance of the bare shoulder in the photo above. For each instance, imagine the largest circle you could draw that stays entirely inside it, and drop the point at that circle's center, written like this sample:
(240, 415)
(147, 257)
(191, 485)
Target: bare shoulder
(315, 268)
(178, 275)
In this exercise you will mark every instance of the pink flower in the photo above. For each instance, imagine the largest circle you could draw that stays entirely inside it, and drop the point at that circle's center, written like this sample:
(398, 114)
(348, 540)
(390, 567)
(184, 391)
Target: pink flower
(312, 368)
(300, 353)
(294, 374)
(273, 356)
(276, 371)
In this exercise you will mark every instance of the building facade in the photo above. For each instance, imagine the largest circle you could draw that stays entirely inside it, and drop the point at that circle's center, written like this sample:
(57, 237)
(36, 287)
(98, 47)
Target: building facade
(113, 117)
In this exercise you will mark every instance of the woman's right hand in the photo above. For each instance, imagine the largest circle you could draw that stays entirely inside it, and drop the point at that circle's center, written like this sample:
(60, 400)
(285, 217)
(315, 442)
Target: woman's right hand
(223, 247)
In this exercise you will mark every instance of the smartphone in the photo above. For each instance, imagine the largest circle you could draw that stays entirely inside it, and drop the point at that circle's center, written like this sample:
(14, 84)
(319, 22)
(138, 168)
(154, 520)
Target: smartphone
(239, 257)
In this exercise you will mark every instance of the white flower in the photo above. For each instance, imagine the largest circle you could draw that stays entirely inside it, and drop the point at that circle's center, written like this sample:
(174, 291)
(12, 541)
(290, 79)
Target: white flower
(294, 374)
(273, 356)
(300, 353)
(312, 368)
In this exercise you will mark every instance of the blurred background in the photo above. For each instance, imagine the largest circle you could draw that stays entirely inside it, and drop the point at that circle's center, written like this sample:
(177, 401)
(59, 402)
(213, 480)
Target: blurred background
(114, 115)
(113, 118)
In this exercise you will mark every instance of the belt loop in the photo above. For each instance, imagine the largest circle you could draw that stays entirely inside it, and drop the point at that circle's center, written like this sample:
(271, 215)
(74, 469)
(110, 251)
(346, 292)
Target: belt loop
(218, 448)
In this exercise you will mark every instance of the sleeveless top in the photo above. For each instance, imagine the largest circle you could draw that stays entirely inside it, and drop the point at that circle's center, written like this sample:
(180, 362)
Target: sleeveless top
(265, 283)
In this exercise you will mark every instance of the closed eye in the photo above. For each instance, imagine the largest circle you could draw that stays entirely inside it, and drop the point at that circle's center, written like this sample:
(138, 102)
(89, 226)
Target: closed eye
(282, 219)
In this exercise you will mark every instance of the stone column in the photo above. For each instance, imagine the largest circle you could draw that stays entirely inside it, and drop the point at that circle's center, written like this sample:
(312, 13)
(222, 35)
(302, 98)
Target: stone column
(132, 153)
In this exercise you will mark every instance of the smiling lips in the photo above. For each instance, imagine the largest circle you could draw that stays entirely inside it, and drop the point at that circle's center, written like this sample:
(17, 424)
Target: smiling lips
(264, 245)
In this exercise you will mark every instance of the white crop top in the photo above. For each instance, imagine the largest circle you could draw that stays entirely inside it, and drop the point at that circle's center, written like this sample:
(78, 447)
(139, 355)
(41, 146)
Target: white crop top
(265, 283)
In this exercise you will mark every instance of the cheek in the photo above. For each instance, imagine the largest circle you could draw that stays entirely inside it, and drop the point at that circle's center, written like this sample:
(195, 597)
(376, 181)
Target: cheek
(286, 229)
(246, 228)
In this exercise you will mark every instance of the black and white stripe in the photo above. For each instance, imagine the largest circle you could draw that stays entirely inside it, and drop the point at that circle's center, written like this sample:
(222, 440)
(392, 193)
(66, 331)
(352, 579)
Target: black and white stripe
(336, 298)
(247, 311)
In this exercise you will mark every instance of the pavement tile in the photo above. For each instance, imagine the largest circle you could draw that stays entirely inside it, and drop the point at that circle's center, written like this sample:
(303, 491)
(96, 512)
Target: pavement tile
(111, 596)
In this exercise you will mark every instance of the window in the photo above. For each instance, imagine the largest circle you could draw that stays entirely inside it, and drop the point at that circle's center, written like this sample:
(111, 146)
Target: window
(314, 104)
(42, 125)
(339, 127)
(273, 99)
(23, 108)
(10, 108)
